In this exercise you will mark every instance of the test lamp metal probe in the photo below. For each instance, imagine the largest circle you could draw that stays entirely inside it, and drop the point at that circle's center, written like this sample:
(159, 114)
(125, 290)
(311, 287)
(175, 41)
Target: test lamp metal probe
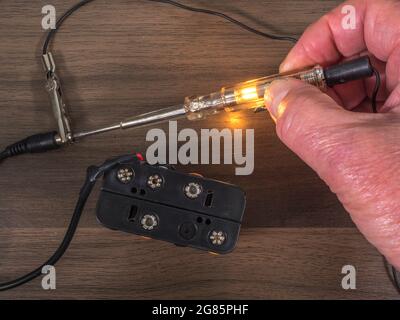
(247, 95)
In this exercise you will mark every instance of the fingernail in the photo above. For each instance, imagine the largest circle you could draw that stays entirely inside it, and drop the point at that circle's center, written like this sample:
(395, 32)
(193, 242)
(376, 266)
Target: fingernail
(274, 94)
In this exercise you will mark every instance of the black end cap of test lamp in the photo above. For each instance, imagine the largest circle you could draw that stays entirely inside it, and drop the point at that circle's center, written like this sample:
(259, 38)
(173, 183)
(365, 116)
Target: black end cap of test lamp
(348, 71)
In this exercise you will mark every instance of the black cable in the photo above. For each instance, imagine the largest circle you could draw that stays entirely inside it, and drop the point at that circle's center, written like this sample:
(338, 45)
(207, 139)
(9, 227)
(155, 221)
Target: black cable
(83, 196)
(228, 18)
(376, 91)
(93, 173)
(79, 5)
(61, 21)
(37, 143)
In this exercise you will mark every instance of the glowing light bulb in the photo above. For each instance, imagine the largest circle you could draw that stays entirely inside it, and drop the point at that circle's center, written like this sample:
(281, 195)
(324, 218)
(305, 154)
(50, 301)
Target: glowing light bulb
(247, 94)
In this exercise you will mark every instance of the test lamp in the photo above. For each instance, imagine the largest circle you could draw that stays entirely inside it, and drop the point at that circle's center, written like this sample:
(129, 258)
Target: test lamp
(246, 95)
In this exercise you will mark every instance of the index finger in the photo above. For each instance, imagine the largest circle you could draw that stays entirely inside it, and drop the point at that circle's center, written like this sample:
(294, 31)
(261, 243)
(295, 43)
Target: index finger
(376, 29)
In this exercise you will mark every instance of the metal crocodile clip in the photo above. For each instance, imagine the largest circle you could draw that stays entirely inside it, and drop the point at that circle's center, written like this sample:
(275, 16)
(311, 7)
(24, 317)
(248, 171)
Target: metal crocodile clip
(53, 87)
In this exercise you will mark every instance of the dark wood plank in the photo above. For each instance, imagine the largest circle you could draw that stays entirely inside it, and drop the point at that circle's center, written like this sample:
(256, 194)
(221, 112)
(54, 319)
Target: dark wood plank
(268, 264)
(123, 58)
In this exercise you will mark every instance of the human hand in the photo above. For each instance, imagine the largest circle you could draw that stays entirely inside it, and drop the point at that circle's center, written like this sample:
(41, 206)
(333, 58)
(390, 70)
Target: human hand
(355, 152)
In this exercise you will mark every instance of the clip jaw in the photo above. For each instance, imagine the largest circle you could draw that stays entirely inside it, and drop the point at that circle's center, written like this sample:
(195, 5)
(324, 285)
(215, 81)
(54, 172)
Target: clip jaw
(53, 86)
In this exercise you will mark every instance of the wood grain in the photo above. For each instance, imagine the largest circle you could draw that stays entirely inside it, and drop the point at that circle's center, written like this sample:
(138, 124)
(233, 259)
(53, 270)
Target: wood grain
(123, 58)
(127, 57)
(267, 264)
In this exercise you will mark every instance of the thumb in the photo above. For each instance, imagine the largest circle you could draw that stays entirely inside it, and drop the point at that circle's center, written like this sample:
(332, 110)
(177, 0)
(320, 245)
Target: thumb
(356, 154)
(309, 122)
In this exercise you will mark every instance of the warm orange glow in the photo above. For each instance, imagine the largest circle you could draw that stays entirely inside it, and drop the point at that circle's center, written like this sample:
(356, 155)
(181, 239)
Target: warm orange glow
(267, 98)
(249, 93)
(281, 109)
(246, 94)
(196, 174)
(235, 120)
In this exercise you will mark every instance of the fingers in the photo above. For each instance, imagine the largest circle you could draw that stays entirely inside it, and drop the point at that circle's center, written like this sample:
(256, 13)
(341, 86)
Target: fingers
(392, 67)
(356, 154)
(326, 41)
(351, 94)
(307, 120)
(376, 30)
(393, 102)
(366, 107)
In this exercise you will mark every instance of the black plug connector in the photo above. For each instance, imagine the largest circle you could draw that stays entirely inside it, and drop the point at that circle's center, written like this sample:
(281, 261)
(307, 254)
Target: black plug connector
(37, 143)
(348, 71)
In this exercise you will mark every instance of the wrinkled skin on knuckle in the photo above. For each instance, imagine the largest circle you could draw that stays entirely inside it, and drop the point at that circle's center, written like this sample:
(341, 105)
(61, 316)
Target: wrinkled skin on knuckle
(368, 159)
(305, 129)
(366, 180)
(364, 173)
(358, 157)
(293, 124)
(363, 166)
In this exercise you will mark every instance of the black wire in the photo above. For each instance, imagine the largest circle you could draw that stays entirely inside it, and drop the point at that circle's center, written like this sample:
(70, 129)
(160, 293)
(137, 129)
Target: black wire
(61, 21)
(93, 173)
(376, 91)
(85, 192)
(228, 18)
(79, 5)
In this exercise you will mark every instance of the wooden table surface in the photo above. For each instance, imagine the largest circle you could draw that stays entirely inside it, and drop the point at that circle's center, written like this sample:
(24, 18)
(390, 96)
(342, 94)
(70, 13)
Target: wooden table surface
(122, 58)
